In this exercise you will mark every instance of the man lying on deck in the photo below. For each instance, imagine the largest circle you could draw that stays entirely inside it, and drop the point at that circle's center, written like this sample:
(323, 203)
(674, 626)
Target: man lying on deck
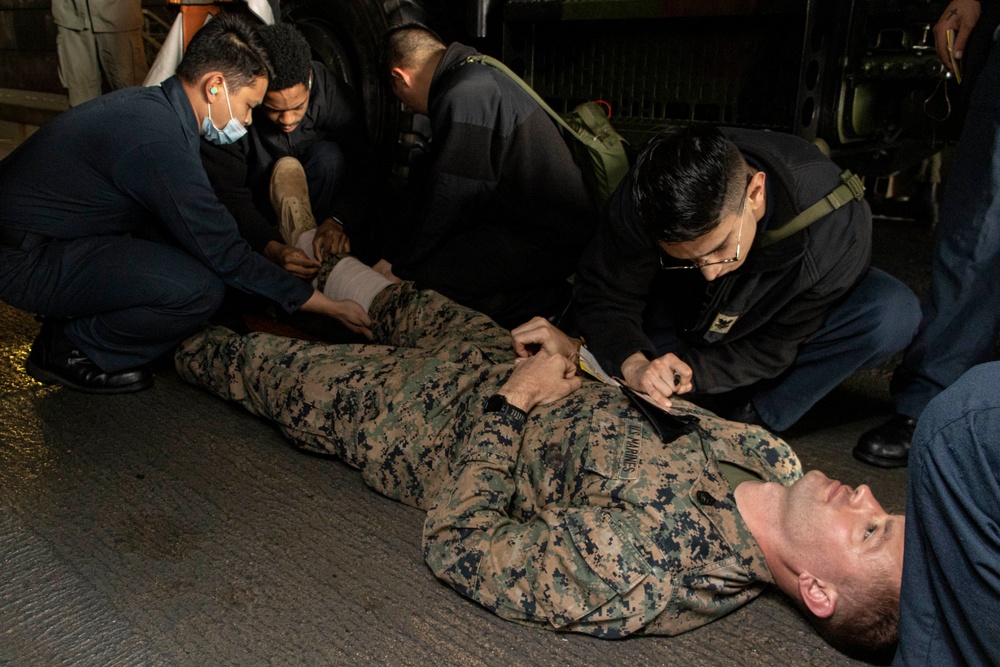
(553, 499)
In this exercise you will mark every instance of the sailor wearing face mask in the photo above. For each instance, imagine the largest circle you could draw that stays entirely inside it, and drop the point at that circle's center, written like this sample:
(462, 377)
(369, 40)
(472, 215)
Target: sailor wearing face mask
(234, 129)
(110, 229)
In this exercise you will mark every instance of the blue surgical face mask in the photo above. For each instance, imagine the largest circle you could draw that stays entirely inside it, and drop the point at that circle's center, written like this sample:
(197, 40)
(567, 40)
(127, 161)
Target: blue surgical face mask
(231, 133)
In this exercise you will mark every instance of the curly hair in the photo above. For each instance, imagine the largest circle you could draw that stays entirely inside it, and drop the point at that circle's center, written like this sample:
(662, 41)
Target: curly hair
(290, 55)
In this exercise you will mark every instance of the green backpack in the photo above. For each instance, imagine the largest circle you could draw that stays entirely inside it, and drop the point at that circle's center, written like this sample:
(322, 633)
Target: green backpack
(597, 148)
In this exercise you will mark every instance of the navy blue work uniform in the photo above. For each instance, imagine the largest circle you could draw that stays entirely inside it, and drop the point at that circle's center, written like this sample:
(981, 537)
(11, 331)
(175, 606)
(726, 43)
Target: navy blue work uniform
(950, 599)
(107, 218)
(797, 318)
(961, 313)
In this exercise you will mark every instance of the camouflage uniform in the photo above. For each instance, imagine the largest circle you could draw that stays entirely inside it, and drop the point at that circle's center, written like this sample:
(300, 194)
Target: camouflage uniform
(580, 520)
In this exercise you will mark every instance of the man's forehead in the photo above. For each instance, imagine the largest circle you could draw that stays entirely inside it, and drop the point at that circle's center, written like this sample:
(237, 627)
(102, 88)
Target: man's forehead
(287, 98)
(894, 546)
(888, 546)
(705, 244)
(895, 525)
(254, 93)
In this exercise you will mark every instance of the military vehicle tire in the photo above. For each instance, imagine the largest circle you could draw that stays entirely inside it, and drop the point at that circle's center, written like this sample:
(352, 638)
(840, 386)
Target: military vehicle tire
(346, 35)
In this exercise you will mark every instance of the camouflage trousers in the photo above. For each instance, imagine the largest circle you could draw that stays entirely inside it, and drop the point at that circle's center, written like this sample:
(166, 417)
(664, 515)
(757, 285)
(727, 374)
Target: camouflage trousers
(395, 409)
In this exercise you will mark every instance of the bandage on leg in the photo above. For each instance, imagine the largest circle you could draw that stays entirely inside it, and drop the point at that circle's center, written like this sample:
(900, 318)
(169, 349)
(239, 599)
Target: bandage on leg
(351, 279)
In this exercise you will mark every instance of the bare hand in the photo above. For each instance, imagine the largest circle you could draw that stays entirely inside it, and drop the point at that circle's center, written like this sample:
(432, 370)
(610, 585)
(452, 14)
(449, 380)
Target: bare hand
(384, 268)
(347, 312)
(539, 380)
(291, 259)
(960, 16)
(330, 239)
(540, 334)
(355, 318)
(660, 378)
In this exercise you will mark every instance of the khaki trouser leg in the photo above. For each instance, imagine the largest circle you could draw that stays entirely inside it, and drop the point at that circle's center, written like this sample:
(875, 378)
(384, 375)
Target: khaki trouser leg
(122, 57)
(78, 67)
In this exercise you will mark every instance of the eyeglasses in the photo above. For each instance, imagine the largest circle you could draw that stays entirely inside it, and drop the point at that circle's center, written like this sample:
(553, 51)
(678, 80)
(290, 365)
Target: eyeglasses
(697, 264)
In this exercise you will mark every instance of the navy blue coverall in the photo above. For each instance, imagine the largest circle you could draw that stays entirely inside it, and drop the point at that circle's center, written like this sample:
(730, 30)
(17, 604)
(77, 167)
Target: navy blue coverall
(107, 218)
(950, 600)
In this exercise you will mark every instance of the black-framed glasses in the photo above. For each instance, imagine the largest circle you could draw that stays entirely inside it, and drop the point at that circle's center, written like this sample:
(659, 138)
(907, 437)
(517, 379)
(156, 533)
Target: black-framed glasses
(697, 264)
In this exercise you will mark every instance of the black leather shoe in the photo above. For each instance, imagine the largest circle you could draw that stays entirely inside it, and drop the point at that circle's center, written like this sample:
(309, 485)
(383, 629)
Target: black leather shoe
(52, 362)
(888, 445)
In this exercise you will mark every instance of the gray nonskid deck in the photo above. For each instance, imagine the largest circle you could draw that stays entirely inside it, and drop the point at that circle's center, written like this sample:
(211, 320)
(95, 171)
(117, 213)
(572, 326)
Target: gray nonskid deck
(170, 528)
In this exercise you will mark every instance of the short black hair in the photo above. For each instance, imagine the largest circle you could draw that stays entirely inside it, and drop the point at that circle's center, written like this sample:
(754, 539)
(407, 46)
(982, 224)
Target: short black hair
(290, 55)
(683, 181)
(407, 44)
(228, 43)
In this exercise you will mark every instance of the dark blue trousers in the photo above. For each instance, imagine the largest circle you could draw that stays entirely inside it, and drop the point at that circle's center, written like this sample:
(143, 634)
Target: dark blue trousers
(961, 314)
(129, 300)
(876, 320)
(950, 599)
(326, 167)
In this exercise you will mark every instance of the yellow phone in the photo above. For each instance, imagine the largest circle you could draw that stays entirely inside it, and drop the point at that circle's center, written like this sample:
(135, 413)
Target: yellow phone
(955, 64)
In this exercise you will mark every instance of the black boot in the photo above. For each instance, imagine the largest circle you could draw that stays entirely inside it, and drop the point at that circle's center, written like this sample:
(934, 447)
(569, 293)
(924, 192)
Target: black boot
(888, 445)
(54, 360)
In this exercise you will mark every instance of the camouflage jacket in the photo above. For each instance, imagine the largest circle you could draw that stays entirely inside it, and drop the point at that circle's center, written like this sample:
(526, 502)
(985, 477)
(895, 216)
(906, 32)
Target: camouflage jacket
(581, 520)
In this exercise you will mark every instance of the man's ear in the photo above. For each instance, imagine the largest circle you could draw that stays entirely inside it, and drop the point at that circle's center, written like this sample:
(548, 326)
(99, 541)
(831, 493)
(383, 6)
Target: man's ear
(819, 597)
(211, 86)
(757, 189)
(402, 76)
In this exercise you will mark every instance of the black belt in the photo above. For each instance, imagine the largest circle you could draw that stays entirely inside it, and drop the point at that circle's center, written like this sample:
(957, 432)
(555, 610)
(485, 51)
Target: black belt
(20, 239)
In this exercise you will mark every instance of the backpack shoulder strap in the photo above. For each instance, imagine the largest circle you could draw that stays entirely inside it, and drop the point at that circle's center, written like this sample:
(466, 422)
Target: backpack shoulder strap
(850, 189)
(496, 64)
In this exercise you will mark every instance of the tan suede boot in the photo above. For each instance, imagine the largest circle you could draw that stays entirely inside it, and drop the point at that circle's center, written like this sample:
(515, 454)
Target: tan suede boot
(290, 199)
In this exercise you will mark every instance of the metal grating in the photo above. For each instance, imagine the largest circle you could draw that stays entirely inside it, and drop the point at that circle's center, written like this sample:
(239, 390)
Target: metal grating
(658, 71)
